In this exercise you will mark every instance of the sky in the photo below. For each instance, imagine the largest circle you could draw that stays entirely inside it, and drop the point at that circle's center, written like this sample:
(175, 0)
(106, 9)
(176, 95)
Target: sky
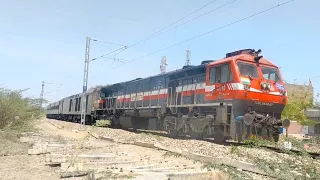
(44, 40)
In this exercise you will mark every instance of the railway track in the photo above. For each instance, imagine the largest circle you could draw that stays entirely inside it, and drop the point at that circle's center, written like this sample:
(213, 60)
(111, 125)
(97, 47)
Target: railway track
(227, 143)
(205, 150)
(233, 143)
(311, 154)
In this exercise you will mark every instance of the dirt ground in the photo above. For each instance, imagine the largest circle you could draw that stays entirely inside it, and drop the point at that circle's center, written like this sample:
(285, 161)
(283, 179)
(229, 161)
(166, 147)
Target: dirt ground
(129, 161)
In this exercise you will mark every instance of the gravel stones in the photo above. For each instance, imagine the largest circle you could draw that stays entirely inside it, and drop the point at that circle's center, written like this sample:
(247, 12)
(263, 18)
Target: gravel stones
(255, 155)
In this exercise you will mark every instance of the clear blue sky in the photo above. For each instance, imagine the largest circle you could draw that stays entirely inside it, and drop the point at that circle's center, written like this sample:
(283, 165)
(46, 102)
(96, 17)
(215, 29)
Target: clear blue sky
(45, 40)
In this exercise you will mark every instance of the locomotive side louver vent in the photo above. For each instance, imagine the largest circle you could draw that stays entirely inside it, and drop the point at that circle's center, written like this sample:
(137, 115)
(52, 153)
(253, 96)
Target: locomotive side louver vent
(188, 66)
(207, 61)
(242, 51)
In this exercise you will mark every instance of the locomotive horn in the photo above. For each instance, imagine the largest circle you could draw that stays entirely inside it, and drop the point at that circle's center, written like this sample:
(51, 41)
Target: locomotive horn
(259, 51)
(248, 119)
(257, 58)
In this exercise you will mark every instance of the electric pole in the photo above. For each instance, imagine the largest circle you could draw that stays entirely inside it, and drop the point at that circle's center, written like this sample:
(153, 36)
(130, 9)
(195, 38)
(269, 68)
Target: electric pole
(188, 60)
(41, 96)
(85, 74)
(85, 82)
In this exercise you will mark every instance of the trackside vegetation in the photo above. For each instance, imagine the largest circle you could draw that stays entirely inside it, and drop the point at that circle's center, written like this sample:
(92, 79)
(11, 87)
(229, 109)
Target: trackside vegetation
(17, 113)
(299, 99)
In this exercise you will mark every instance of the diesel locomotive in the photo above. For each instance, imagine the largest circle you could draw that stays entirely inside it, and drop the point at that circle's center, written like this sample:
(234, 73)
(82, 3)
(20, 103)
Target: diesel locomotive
(238, 97)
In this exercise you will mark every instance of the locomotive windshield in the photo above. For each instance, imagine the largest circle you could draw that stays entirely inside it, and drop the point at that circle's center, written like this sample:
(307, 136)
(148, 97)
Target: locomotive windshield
(247, 69)
(270, 73)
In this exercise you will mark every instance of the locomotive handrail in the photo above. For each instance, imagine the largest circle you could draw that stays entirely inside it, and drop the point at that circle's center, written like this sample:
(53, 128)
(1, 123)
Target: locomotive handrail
(142, 99)
(135, 101)
(158, 97)
(195, 94)
(150, 98)
(129, 103)
(170, 97)
(181, 100)
(176, 106)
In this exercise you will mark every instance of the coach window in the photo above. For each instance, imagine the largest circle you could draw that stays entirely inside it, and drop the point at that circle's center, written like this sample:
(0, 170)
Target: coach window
(70, 105)
(79, 104)
(76, 106)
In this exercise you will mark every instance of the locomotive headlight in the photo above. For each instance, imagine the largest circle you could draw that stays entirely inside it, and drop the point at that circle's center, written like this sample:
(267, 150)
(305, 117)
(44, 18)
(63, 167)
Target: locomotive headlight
(269, 86)
(264, 85)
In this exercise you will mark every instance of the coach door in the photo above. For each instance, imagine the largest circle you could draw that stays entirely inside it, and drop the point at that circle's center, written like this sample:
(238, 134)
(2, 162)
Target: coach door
(60, 107)
(219, 76)
(171, 100)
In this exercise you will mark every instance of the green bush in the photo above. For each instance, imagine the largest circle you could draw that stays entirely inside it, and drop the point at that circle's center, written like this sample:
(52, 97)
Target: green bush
(17, 112)
(103, 123)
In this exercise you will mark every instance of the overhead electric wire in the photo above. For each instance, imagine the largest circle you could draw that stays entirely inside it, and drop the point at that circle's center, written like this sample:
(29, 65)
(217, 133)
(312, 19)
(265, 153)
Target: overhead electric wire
(125, 47)
(189, 20)
(159, 32)
(200, 35)
(202, 15)
(155, 34)
(211, 31)
(107, 42)
(53, 89)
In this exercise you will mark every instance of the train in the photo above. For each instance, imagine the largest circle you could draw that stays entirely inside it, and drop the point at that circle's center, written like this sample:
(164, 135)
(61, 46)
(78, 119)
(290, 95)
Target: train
(238, 97)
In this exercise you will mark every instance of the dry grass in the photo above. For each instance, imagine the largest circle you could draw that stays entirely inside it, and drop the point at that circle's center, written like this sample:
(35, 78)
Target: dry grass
(9, 141)
(217, 175)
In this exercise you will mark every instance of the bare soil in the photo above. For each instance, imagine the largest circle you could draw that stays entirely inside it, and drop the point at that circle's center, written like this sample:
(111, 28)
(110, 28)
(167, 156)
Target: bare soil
(146, 163)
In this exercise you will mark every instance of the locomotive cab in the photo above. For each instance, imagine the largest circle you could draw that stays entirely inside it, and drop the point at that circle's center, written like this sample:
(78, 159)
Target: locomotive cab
(254, 88)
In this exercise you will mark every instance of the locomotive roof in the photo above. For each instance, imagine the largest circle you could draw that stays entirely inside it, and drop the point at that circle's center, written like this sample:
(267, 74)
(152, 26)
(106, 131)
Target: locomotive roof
(245, 54)
(182, 70)
(245, 57)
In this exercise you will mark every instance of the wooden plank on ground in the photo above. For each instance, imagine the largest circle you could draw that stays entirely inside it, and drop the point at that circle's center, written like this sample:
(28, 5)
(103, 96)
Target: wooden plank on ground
(61, 158)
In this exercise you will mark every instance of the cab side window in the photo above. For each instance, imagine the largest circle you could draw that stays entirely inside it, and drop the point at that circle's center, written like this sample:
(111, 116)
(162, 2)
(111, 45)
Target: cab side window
(212, 75)
(220, 74)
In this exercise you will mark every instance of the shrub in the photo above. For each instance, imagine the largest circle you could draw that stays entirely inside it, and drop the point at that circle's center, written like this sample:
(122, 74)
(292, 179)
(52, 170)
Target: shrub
(103, 123)
(15, 111)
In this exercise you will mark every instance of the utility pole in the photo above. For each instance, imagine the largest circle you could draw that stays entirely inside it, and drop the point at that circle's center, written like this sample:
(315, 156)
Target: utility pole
(85, 75)
(85, 82)
(41, 96)
(188, 60)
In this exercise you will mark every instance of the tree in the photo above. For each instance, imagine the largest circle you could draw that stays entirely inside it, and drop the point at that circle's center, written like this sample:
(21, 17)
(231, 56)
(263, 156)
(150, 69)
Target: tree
(317, 104)
(299, 99)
